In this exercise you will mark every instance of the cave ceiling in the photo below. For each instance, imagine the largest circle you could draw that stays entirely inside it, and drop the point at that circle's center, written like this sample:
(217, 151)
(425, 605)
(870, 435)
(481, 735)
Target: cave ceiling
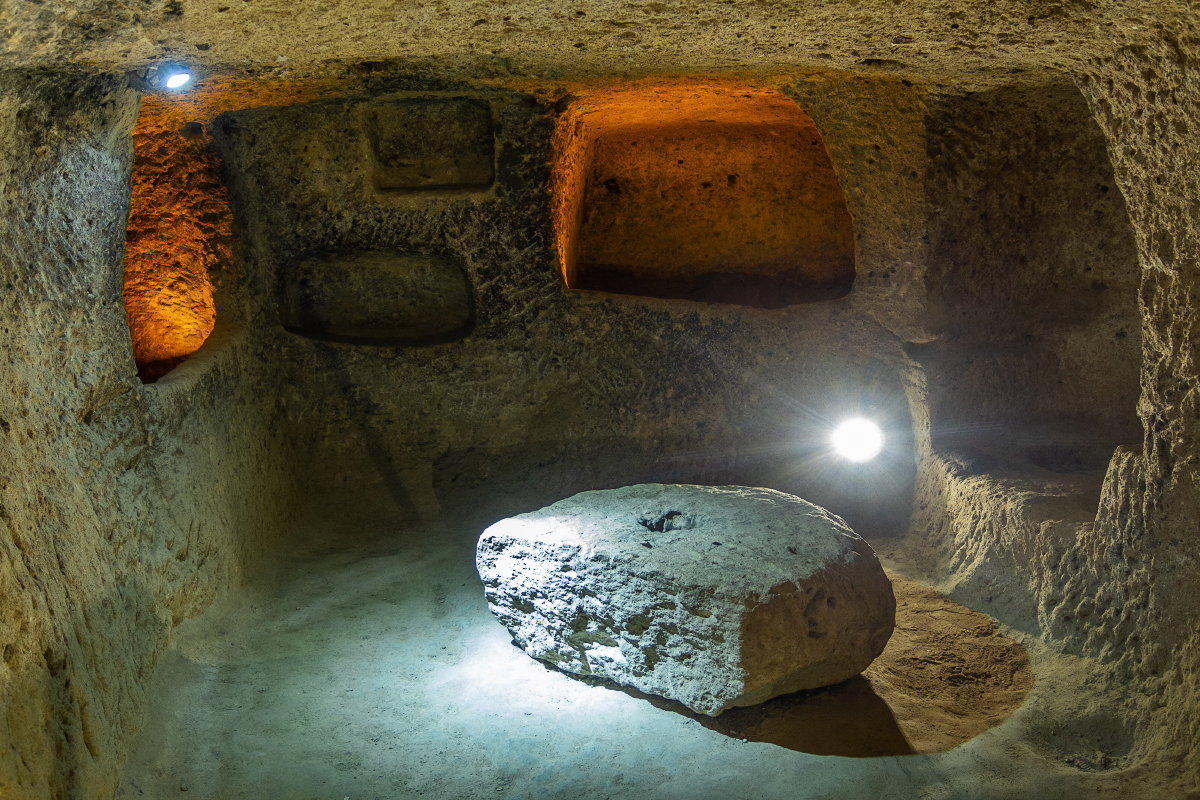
(954, 41)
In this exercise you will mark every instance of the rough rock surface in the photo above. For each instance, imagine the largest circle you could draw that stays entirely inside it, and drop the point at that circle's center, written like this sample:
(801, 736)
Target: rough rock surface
(376, 297)
(554, 392)
(427, 145)
(715, 596)
(124, 506)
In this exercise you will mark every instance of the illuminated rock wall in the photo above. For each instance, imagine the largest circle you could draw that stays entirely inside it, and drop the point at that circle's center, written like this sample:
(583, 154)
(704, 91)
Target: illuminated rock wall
(551, 391)
(705, 191)
(124, 508)
(179, 233)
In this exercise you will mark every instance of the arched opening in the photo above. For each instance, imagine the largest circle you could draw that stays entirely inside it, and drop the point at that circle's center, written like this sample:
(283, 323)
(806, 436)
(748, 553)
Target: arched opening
(179, 231)
(1032, 282)
(701, 191)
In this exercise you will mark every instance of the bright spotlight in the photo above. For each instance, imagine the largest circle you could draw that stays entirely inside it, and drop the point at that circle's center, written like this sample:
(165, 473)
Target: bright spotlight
(857, 440)
(177, 79)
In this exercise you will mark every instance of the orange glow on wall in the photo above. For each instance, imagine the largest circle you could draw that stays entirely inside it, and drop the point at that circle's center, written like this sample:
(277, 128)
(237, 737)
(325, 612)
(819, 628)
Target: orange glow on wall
(179, 233)
(180, 222)
(699, 190)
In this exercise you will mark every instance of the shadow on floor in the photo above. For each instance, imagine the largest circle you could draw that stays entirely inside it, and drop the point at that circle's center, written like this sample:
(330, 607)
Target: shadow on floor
(947, 675)
(848, 719)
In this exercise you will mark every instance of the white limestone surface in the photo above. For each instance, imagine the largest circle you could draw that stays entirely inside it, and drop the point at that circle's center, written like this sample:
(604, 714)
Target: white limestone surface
(714, 596)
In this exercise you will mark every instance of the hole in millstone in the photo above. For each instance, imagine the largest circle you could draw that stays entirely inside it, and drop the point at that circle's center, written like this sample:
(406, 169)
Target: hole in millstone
(670, 521)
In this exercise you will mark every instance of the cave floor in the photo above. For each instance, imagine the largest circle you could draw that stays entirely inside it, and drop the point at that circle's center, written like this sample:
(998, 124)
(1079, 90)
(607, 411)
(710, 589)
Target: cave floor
(364, 663)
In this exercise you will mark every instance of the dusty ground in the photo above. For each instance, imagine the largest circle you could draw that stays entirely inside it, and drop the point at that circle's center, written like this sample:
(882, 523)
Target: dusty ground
(368, 666)
(126, 508)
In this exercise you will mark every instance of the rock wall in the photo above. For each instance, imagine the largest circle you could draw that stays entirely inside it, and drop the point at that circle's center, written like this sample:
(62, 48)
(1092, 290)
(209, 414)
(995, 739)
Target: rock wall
(1146, 560)
(1118, 584)
(551, 391)
(125, 507)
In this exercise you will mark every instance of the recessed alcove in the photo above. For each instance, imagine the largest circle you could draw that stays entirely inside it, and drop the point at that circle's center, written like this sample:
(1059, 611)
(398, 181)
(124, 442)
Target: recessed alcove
(1033, 284)
(423, 146)
(701, 191)
(376, 297)
(179, 232)
(255, 578)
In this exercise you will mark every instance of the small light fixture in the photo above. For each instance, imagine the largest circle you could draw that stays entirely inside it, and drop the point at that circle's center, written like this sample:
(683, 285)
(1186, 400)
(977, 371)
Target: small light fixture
(177, 79)
(857, 440)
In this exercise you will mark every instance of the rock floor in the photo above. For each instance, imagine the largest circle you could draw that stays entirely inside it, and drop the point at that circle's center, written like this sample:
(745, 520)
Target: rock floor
(365, 664)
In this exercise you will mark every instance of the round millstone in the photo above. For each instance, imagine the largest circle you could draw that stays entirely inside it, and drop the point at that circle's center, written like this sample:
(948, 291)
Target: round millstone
(714, 596)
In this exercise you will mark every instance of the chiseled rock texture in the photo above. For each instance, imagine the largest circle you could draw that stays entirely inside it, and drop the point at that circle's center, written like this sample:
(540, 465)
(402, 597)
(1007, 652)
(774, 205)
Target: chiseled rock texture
(124, 507)
(376, 297)
(715, 596)
(1059, 309)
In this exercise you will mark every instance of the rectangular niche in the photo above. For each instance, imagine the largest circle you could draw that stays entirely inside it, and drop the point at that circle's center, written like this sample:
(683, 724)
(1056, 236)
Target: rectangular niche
(376, 297)
(431, 145)
(700, 192)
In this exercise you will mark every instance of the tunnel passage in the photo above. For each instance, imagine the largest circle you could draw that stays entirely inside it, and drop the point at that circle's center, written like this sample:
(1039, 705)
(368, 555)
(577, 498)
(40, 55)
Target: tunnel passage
(180, 227)
(709, 192)
(1032, 282)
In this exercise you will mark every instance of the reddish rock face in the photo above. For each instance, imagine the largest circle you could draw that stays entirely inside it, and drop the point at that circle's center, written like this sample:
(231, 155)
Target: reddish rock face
(180, 231)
